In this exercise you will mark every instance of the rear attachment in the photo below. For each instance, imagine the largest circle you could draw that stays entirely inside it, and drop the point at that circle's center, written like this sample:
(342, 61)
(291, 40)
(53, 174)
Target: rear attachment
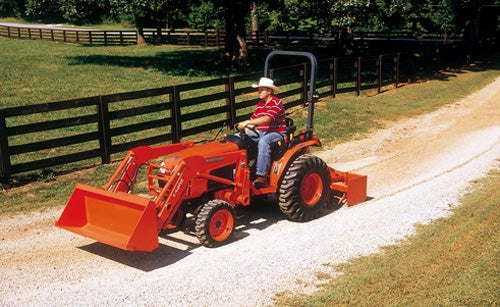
(118, 219)
(351, 185)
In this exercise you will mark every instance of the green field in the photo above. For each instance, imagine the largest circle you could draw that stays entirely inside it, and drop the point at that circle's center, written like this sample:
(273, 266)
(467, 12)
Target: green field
(39, 71)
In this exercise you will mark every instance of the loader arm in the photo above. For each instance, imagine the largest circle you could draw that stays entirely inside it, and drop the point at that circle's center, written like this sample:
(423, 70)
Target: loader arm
(124, 177)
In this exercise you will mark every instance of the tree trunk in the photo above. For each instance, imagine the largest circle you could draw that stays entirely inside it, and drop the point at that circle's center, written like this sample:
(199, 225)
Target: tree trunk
(471, 31)
(242, 43)
(255, 18)
(139, 24)
(159, 36)
(234, 16)
(141, 41)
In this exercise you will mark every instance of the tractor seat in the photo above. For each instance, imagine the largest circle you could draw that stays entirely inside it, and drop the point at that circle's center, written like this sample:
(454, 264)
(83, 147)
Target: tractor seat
(281, 147)
(290, 126)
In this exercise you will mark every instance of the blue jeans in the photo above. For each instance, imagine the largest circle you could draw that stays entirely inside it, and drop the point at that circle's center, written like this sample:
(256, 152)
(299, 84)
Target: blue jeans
(265, 143)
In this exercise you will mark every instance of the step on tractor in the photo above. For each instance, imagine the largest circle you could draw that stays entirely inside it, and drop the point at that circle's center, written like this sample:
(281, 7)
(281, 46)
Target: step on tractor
(208, 181)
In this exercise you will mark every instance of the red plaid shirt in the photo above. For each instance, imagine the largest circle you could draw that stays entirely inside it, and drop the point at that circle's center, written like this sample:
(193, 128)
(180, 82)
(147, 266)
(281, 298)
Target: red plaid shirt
(276, 111)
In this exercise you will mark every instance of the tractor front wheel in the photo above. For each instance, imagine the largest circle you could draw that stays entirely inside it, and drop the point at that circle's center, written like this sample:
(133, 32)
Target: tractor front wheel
(303, 192)
(214, 223)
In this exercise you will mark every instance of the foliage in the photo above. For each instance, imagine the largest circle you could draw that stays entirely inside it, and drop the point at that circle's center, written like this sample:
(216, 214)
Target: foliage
(12, 8)
(84, 11)
(390, 15)
(471, 19)
(345, 14)
(42, 9)
(323, 16)
(295, 15)
(206, 16)
(150, 13)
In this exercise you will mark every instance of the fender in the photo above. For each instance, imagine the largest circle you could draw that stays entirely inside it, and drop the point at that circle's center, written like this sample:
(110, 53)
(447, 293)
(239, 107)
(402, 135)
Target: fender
(279, 167)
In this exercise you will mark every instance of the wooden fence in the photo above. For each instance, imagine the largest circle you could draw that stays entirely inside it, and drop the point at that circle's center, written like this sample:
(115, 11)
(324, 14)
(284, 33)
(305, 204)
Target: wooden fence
(197, 38)
(91, 130)
(112, 37)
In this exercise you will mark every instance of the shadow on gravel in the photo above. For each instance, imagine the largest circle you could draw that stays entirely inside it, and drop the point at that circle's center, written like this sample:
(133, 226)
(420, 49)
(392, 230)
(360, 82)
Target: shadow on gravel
(178, 244)
(162, 256)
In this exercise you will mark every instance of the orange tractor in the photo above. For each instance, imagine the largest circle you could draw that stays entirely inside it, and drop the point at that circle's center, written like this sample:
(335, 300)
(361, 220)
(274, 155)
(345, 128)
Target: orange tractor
(207, 182)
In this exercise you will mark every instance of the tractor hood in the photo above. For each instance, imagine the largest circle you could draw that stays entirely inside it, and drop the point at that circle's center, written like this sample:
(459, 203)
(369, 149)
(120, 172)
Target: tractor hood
(211, 152)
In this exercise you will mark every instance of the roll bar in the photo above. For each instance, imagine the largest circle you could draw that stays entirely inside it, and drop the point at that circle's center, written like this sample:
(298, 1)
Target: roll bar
(310, 95)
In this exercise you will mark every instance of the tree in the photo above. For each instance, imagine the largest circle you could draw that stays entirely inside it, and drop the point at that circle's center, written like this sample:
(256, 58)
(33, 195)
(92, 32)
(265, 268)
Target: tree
(345, 15)
(11, 8)
(84, 11)
(296, 15)
(42, 9)
(205, 16)
(147, 13)
(235, 12)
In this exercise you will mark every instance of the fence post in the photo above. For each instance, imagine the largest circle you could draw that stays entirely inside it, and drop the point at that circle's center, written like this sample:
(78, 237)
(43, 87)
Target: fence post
(396, 70)
(231, 102)
(176, 115)
(104, 130)
(4, 150)
(358, 75)
(379, 74)
(335, 75)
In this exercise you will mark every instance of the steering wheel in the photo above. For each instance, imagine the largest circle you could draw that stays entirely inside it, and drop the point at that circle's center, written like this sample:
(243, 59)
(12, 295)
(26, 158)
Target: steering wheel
(249, 131)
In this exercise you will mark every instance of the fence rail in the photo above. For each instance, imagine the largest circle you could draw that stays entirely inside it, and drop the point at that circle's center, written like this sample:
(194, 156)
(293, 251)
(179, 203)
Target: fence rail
(112, 37)
(46, 135)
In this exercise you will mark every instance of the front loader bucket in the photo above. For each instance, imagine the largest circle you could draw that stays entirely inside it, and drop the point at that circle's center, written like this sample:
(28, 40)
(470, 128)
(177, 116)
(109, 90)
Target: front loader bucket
(118, 219)
(353, 186)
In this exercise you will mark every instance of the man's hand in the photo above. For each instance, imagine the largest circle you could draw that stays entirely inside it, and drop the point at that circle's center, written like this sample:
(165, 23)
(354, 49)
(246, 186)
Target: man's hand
(242, 125)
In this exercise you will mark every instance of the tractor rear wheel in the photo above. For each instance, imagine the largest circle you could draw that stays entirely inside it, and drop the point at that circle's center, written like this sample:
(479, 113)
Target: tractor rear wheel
(214, 223)
(303, 192)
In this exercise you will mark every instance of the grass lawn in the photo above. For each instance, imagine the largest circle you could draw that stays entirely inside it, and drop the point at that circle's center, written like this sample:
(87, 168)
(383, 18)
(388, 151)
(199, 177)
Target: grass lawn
(40, 71)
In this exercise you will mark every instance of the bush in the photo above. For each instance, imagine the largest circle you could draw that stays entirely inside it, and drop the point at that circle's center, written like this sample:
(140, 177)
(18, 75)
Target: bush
(11, 8)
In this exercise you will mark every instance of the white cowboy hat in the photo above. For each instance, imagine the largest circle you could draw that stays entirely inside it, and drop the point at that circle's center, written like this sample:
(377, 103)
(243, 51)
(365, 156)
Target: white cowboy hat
(266, 82)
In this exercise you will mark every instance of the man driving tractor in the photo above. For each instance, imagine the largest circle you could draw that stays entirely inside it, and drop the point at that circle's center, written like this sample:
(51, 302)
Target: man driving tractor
(269, 122)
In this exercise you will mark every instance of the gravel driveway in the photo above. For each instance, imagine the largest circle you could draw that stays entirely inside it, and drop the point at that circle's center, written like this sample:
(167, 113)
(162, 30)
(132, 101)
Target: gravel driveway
(417, 168)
